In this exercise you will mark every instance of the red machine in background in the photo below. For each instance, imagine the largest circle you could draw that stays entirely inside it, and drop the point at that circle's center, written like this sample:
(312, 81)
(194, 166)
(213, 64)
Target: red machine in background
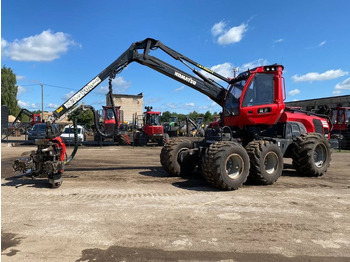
(340, 118)
(114, 126)
(152, 130)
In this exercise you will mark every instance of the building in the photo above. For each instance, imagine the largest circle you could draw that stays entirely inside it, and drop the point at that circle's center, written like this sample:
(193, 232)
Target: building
(331, 102)
(130, 105)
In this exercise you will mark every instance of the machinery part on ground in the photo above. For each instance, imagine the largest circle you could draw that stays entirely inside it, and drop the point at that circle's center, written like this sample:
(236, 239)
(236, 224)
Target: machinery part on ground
(311, 154)
(47, 160)
(176, 159)
(266, 162)
(226, 165)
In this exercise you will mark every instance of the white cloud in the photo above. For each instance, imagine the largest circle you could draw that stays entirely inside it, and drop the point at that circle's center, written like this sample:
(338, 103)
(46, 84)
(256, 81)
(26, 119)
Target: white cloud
(51, 105)
(336, 92)
(69, 95)
(120, 86)
(44, 47)
(253, 64)
(27, 105)
(189, 104)
(21, 90)
(218, 28)
(226, 69)
(226, 35)
(294, 92)
(279, 40)
(18, 77)
(313, 76)
(179, 89)
(345, 85)
(171, 106)
(322, 43)
(233, 35)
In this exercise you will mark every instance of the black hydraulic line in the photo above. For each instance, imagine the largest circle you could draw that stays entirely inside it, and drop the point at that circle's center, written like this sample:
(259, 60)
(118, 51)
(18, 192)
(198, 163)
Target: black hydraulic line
(70, 158)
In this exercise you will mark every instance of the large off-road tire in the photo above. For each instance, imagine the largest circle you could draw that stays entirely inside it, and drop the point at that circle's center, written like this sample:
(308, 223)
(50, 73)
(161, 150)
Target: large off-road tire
(226, 165)
(266, 162)
(311, 154)
(169, 157)
(163, 140)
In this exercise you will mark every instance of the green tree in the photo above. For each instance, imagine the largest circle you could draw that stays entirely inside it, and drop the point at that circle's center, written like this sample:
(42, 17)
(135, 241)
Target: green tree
(165, 116)
(85, 118)
(208, 117)
(9, 90)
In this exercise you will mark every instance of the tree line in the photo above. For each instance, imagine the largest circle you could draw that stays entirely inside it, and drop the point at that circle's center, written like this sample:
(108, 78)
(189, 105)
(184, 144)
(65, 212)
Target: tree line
(208, 117)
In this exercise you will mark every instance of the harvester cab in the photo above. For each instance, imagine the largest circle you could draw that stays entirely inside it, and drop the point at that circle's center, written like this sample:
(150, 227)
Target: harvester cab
(255, 97)
(152, 122)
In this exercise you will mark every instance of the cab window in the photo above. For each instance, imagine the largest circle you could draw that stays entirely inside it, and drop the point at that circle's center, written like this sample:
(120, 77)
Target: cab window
(260, 90)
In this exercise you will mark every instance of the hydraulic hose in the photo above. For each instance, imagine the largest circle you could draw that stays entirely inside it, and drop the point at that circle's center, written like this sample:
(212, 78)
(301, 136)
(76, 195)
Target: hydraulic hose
(70, 158)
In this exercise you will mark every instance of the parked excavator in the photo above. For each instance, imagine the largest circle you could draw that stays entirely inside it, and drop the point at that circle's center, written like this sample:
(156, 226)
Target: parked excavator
(256, 130)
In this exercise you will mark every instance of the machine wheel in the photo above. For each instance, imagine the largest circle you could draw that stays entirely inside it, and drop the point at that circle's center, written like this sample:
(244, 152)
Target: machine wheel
(164, 140)
(266, 162)
(170, 155)
(226, 165)
(122, 140)
(311, 154)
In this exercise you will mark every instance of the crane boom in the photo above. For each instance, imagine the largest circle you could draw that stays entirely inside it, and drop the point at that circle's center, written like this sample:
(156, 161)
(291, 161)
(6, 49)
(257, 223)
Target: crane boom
(201, 83)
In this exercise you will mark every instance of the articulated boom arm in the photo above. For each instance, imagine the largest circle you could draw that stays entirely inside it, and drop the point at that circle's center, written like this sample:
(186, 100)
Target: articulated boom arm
(201, 84)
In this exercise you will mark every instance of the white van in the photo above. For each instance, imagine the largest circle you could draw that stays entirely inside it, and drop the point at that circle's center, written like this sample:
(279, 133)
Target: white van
(68, 134)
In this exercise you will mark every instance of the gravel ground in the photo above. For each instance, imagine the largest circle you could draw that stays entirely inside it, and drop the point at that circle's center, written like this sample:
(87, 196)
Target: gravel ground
(118, 204)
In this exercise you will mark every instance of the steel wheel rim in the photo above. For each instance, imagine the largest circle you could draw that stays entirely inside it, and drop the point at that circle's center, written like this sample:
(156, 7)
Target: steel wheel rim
(234, 166)
(179, 155)
(271, 163)
(320, 155)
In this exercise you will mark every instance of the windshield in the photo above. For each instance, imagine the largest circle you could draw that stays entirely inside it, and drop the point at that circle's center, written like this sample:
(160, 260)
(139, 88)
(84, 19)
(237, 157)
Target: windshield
(172, 119)
(70, 130)
(39, 128)
(153, 120)
(260, 91)
(232, 98)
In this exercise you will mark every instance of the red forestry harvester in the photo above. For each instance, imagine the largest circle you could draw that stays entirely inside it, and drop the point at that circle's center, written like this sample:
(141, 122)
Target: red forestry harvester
(254, 133)
(152, 130)
(111, 124)
(340, 118)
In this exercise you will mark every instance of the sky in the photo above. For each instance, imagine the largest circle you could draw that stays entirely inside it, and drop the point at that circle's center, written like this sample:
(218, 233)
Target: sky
(65, 44)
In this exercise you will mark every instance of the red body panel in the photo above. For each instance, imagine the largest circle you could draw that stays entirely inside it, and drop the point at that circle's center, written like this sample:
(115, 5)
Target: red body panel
(153, 130)
(306, 120)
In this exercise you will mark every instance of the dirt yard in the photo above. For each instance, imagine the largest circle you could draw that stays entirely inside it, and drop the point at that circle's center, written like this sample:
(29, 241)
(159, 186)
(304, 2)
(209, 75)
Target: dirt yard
(118, 204)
